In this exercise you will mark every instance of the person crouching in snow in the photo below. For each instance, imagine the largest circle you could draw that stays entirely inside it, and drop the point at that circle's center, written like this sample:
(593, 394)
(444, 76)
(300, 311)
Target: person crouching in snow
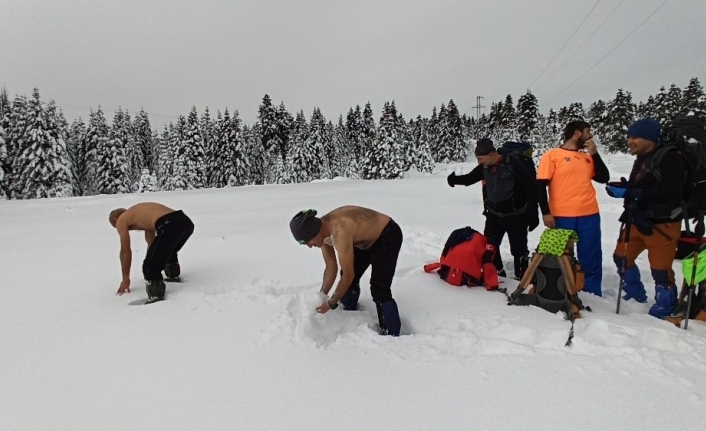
(361, 237)
(166, 231)
(652, 200)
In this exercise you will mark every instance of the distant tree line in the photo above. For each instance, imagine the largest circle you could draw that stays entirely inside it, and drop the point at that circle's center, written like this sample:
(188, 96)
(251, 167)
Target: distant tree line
(41, 155)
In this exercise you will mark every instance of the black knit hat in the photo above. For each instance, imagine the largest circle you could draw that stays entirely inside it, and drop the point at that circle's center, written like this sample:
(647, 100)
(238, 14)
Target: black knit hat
(305, 226)
(484, 147)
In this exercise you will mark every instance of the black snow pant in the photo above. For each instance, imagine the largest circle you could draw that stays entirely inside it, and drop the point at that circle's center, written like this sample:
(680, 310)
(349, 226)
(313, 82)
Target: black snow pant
(516, 228)
(173, 230)
(382, 256)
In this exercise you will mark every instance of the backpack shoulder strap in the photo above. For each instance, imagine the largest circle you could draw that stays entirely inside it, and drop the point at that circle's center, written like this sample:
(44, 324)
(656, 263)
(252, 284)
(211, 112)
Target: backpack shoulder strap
(656, 162)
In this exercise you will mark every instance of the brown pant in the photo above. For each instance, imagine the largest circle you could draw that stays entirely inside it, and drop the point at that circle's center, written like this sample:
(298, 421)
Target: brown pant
(660, 250)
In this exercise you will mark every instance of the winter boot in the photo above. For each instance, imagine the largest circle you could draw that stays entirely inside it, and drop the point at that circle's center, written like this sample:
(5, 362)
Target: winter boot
(389, 318)
(172, 271)
(665, 300)
(502, 273)
(632, 286)
(521, 264)
(350, 299)
(156, 290)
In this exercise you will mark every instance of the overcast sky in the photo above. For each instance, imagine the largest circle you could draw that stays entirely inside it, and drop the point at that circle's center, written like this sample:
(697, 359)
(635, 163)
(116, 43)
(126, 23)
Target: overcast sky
(167, 55)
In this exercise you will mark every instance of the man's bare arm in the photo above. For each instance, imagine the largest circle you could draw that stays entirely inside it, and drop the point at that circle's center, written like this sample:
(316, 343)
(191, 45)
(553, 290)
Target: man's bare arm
(149, 237)
(344, 247)
(125, 251)
(331, 268)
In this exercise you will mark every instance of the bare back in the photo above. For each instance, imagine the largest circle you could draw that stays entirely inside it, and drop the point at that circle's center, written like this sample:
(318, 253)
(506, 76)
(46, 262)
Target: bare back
(142, 216)
(362, 225)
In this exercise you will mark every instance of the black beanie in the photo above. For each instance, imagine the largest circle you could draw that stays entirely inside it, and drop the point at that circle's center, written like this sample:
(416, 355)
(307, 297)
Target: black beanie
(484, 147)
(305, 226)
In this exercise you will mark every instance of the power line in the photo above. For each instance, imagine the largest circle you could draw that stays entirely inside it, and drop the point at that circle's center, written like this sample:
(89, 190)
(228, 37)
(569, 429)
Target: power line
(563, 46)
(582, 45)
(610, 52)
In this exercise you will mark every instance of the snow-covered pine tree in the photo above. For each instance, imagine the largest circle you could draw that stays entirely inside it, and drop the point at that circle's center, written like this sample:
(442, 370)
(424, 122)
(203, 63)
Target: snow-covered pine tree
(208, 133)
(148, 182)
(240, 173)
(368, 131)
(433, 127)
(453, 134)
(77, 152)
(15, 124)
(527, 115)
(143, 136)
(3, 155)
(385, 160)
(96, 137)
(438, 147)
(543, 137)
(318, 142)
(133, 151)
(285, 122)
(41, 168)
(164, 158)
(108, 158)
(5, 105)
(301, 159)
(348, 163)
(668, 104)
(190, 153)
(422, 160)
(694, 102)
(620, 114)
(596, 117)
(256, 154)
(354, 131)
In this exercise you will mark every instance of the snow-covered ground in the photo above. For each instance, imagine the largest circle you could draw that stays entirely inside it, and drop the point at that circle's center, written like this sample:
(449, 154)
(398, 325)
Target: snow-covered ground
(238, 344)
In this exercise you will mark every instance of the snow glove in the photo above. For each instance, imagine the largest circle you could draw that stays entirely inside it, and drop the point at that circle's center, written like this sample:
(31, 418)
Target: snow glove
(622, 190)
(451, 179)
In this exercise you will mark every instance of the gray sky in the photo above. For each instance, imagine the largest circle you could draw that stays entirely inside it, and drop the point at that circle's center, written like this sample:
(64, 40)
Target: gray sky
(166, 56)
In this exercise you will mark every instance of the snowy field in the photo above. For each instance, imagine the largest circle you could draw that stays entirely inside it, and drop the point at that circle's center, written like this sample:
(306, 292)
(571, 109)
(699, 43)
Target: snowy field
(238, 345)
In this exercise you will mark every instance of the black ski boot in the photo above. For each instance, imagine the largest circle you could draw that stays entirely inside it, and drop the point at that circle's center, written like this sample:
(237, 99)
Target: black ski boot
(172, 271)
(155, 291)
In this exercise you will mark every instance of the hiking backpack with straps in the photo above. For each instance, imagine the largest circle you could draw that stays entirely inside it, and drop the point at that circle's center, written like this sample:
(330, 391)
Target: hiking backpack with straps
(554, 277)
(521, 150)
(686, 136)
(466, 260)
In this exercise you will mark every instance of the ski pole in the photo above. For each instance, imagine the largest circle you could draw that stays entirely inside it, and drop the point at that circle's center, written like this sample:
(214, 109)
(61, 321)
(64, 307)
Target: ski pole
(624, 267)
(699, 230)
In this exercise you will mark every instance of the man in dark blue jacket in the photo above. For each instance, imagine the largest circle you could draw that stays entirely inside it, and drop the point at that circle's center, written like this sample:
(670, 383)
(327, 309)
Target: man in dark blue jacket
(510, 203)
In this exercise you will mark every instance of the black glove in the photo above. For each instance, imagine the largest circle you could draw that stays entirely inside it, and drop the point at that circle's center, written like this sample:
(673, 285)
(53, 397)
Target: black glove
(451, 179)
(533, 223)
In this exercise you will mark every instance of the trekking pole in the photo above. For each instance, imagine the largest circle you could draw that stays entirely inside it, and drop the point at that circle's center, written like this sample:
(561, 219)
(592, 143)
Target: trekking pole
(624, 267)
(699, 231)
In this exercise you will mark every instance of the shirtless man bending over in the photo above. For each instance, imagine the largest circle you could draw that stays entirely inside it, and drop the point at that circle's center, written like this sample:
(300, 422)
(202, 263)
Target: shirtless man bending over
(166, 231)
(361, 237)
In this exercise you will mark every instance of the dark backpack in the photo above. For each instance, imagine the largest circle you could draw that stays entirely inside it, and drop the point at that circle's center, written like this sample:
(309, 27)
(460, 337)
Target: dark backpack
(466, 260)
(554, 277)
(520, 150)
(687, 136)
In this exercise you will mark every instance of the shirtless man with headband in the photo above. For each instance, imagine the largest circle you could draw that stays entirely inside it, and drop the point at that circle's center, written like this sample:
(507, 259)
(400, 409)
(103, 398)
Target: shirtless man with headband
(361, 237)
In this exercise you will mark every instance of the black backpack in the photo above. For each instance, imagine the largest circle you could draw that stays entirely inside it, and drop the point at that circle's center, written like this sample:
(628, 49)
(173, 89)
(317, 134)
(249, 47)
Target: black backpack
(521, 150)
(687, 136)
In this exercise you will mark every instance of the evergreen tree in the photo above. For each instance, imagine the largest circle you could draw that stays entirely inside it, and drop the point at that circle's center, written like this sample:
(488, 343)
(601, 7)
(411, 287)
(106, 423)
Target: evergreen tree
(96, 139)
(596, 117)
(240, 174)
(208, 133)
(15, 125)
(368, 130)
(255, 153)
(620, 114)
(164, 158)
(527, 115)
(354, 131)
(318, 143)
(433, 134)
(107, 155)
(385, 160)
(41, 168)
(5, 105)
(189, 164)
(143, 138)
(422, 160)
(456, 149)
(301, 159)
(694, 100)
(285, 122)
(3, 155)
(78, 157)
(347, 162)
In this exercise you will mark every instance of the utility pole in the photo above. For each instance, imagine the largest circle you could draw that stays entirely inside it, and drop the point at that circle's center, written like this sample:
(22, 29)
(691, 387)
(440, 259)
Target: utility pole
(478, 106)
